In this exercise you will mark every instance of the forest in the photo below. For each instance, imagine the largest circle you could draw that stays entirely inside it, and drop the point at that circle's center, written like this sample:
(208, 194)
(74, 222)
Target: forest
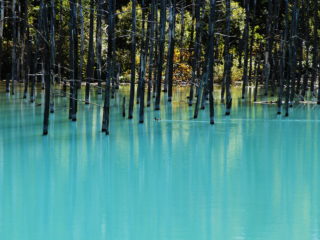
(159, 120)
(154, 45)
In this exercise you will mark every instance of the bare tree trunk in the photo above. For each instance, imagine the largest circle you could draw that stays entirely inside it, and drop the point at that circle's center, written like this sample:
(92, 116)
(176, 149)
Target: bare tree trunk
(287, 97)
(46, 42)
(81, 17)
(14, 47)
(156, 51)
(2, 6)
(52, 52)
(210, 61)
(26, 48)
(151, 51)
(144, 50)
(246, 50)
(106, 106)
(307, 43)
(228, 58)
(193, 61)
(172, 22)
(315, 46)
(183, 5)
(73, 61)
(99, 45)
(293, 50)
(161, 51)
(133, 59)
(142, 54)
(90, 55)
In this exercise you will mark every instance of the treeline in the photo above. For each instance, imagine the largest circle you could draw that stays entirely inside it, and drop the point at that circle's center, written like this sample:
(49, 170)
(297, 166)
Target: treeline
(154, 44)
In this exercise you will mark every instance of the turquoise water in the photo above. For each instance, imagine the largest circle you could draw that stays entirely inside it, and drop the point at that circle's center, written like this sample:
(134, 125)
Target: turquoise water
(251, 176)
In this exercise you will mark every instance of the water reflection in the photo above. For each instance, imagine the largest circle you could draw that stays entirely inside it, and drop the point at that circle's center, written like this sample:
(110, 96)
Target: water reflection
(251, 176)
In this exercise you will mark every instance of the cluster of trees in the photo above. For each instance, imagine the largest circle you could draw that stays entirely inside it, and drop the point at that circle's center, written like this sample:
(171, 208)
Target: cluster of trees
(155, 44)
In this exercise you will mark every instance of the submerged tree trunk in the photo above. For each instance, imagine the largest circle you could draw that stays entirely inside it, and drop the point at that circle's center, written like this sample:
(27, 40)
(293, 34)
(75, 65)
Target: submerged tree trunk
(293, 50)
(82, 39)
(228, 58)
(52, 52)
(14, 47)
(2, 6)
(246, 50)
(106, 106)
(151, 51)
(26, 49)
(211, 58)
(172, 22)
(161, 51)
(133, 59)
(282, 64)
(46, 43)
(73, 61)
(144, 49)
(99, 45)
(196, 49)
(316, 39)
(90, 55)
(315, 46)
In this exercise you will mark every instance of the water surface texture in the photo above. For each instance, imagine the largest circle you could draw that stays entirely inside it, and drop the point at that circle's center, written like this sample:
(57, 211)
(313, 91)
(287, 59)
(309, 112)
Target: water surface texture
(251, 176)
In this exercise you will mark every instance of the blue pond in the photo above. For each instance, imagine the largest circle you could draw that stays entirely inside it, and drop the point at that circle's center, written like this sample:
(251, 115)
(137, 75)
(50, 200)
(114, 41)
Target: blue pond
(251, 176)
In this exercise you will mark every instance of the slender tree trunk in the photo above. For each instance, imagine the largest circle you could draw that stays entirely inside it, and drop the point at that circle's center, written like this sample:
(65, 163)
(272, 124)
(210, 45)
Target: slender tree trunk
(210, 63)
(172, 22)
(293, 50)
(316, 39)
(90, 55)
(287, 78)
(60, 54)
(268, 51)
(193, 61)
(81, 17)
(246, 50)
(257, 71)
(73, 61)
(142, 54)
(306, 73)
(307, 43)
(27, 48)
(52, 52)
(144, 49)
(99, 45)
(315, 46)
(156, 51)
(282, 64)
(183, 5)
(14, 48)
(161, 51)
(46, 42)
(114, 63)
(133, 59)
(106, 106)
(2, 6)
(228, 58)
(196, 49)
(151, 53)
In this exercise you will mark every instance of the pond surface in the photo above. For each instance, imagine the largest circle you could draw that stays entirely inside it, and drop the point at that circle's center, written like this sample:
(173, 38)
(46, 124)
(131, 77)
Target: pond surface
(251, 176)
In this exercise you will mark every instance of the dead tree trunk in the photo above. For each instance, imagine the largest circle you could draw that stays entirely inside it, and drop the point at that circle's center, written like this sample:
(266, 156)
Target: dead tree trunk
(172, 22)
(161, 51)
(133, 59)
(106, 106)
(90, 55)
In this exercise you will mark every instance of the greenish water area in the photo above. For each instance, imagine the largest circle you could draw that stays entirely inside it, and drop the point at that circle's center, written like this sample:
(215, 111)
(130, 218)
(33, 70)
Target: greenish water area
(251, 176)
